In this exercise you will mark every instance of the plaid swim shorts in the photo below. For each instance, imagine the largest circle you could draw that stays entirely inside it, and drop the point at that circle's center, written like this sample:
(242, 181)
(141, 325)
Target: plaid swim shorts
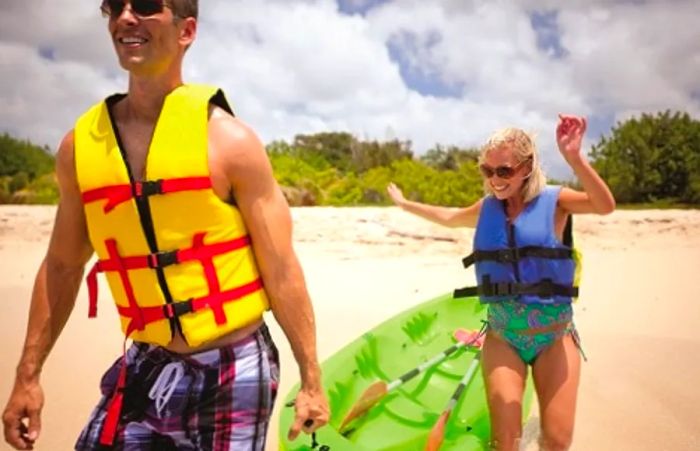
(217, 400)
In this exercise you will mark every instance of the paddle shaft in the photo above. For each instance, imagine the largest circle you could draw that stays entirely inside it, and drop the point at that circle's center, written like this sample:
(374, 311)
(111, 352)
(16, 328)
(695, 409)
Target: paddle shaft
(463, 383)
(378, 390)
(437, 434)
(425, 365)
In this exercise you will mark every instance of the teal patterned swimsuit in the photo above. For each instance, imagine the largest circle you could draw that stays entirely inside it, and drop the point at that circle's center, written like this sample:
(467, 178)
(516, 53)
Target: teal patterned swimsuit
(509, 319)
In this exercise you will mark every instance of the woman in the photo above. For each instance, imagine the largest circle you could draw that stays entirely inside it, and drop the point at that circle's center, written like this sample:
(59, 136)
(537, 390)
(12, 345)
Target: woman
(528, 291)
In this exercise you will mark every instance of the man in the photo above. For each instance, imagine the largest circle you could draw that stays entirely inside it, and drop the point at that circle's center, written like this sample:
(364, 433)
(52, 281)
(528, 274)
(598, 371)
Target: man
(177, 199)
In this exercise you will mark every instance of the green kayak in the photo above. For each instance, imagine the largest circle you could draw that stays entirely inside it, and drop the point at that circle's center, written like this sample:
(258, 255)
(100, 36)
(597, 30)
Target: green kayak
(403, 418)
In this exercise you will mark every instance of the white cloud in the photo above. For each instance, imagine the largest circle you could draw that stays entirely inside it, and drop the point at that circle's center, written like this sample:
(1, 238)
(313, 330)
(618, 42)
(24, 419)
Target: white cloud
(628, 57)
(301, 66)
(42, 99)
(73, 28)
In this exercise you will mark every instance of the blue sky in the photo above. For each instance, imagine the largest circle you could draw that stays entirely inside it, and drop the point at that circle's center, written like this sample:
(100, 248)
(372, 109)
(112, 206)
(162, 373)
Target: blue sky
(361, 7)
(442, 71)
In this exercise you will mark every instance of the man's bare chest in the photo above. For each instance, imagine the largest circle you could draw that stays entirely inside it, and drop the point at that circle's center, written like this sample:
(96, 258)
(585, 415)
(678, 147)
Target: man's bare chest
(135, 141)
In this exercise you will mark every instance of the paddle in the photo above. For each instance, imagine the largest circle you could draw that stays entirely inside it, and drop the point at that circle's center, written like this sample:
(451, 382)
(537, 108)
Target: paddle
(437, 434)
(378, 390)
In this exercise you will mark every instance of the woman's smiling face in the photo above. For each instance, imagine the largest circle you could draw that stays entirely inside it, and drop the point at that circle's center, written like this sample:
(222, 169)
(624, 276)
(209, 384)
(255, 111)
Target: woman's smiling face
(504, 173)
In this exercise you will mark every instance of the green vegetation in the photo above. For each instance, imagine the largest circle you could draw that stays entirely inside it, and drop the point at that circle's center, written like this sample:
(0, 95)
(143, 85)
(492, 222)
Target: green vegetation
(338, 169)
(653, 159)
(649, 162)
(26, 173)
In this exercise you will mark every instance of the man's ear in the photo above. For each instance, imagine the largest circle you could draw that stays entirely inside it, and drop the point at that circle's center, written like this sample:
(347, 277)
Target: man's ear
(188, 32)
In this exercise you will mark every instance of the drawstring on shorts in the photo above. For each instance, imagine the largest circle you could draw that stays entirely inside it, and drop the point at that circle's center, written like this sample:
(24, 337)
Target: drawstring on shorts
(165, 385)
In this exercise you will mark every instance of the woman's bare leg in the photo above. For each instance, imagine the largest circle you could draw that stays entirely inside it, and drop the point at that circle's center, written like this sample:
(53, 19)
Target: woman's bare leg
(556, 374)
(505, 375)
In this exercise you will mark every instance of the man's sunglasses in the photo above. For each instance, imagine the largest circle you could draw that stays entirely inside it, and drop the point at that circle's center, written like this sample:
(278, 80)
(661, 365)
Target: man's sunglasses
(141, 8)
(503, 172)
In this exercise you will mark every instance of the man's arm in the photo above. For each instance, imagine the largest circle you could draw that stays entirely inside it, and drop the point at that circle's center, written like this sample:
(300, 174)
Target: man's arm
(268, 219)
(55, 289)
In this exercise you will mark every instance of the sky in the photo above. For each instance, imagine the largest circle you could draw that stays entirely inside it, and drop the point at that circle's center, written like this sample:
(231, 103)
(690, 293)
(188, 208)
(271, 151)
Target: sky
(433, 71)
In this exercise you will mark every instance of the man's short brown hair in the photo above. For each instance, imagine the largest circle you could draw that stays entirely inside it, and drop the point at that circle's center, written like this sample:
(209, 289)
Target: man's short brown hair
(184, 8)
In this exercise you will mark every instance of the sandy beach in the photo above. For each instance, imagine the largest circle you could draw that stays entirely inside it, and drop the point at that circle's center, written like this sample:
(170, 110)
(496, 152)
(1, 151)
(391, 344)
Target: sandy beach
(638, 314)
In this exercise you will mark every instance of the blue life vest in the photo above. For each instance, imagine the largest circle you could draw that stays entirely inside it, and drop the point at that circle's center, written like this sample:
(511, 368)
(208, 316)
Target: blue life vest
(525, 260)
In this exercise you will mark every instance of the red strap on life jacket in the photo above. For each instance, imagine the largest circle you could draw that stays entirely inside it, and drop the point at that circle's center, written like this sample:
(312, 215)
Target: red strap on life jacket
(114, 408)
(198, 251)
(214, 301)
(116, 194)
(212, 280)
(126, 283)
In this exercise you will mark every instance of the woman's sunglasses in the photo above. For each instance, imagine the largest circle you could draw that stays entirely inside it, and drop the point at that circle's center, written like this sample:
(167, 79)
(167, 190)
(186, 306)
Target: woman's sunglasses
(141, 8)
(503, 172)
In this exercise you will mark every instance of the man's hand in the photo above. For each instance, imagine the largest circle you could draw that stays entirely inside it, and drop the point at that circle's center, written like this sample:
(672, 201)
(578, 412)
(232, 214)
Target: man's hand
(311, 412)
(22, 415)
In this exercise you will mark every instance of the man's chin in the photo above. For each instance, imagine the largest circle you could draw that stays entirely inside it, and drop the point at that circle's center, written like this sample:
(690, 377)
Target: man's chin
(132, 63)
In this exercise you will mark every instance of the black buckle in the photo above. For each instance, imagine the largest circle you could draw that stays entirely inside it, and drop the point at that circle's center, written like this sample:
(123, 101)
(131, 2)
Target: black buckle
(148, 188)
(487, 288)
(162, 259)
(508, 255)
(545, 288)
(502, 289)
(177, 309)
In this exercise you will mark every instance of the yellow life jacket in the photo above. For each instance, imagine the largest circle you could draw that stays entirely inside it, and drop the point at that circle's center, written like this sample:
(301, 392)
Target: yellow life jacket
(176, 256)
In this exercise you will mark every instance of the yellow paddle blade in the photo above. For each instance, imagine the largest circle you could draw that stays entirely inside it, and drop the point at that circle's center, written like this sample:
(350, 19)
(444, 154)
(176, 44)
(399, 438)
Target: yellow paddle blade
(437, 434)
(373, 394)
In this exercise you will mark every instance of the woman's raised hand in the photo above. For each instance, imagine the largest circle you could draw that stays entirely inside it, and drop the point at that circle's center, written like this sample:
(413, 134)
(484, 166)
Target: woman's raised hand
(570, 131)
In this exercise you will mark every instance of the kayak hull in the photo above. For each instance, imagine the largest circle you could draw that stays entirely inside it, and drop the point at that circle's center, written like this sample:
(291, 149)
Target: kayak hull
(403, 419)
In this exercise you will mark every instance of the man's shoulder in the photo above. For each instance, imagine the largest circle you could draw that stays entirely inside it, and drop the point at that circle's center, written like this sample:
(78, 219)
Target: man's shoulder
(236, 149)
(65, 155)
(229, 131)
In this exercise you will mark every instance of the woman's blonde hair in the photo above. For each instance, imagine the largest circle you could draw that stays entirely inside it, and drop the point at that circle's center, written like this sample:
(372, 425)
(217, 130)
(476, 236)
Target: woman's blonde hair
(523, 147)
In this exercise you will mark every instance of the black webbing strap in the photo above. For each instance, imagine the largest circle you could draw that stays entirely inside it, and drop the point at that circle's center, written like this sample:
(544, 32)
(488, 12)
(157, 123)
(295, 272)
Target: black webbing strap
(544, 289)
(512, 255)
(466, 292)
(569, 231)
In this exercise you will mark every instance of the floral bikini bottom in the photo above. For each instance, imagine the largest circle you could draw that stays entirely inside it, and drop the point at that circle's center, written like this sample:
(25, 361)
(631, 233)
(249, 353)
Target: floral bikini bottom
(519, 324)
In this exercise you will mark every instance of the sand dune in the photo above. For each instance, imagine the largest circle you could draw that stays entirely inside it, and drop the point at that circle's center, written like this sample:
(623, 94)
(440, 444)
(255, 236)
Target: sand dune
(638, 314)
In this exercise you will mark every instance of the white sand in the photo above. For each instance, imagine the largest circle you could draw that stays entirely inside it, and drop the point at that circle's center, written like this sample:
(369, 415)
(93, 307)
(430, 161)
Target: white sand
(638, 314)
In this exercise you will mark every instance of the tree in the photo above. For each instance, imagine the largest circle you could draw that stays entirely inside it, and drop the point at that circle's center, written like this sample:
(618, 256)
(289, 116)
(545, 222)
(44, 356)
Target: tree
(335, 148)
(653, 158)
(450, 157)
(22, 156)
(372, 154)
(26, 172)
